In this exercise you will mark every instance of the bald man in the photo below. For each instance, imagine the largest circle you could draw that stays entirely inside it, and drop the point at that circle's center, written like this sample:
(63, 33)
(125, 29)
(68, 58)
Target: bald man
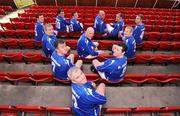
(86, 48)
(99, 24)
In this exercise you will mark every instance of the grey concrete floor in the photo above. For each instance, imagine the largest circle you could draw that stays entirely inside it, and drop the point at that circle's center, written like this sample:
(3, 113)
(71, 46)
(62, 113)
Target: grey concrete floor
(117, 96)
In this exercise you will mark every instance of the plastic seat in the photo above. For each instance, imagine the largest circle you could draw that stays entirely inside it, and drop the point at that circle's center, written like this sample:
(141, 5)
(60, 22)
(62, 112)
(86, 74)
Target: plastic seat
(11, 43)
(162, 59)
(13, 20)
(18, 25)
(72, 44)
(135, 78)
(154, 36)
(8, 33)
(93, 77)
(157, 28)
(168, 28)
(26, 20)
(13, 57)
(144, 58)
(148, 28)
(117, 110)
(177, 28)
(59, 110)
(145, 110)
(166, 36)
(170, 23)
(150, 45)
(169, 110)
(31, 33)
(19, 76)
(38, 110)
(176, 36)
(160, 22)
(165, 46)
(22, 34)
(75, 34)
(176, 46)
(11, 110)
(26, 43)
(175, 59)
(32, 57)
(6, 26)
(63, 34)
(42, 77)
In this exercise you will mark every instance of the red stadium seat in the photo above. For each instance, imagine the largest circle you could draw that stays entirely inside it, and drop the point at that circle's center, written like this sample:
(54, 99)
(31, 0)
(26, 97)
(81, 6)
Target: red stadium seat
(157, 28)
(42, 77)
(32, 57)
(160, 22)
(166, 36)
(145, 110)
(150, 45)
(26, 20)
(37, 110)
(106, 44)
(144, 58)
(75, 34)
(93, 77)
(13, 20)
(176, 46)
(162, 59)
(175, 59)
(148, 28)
(165, 45)
(135, 78)
(178, 22)
(63, 34)
(168, 28)
(117, 110)
(26, 43)
(176, 36)
(8, 33)
(31, 33)
(11, 43)
(6, 26)
(177, 28)
(169, 111)
(13, 57)
(154, 36)
(22, 15)
(172, 23)
(18, 25)
(22, 34)
(19, 76)
(72, 44)
(59, 110)
(8, 110)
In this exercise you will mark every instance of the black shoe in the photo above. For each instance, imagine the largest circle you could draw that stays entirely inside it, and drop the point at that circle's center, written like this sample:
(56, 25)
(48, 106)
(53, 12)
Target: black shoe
(93, 69)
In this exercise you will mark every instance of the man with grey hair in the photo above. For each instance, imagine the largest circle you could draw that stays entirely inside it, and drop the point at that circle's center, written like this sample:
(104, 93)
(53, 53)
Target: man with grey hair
(48, 40)
(99, 24)
(129, 40)
(87, 99)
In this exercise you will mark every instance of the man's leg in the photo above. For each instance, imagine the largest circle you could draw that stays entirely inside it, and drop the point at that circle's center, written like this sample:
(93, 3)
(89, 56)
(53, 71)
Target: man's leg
(79, 63)
(109, 28)
(71, 57)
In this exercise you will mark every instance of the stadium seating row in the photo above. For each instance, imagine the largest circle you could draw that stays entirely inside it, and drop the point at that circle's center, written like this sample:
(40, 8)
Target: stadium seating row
(4, 9)
(51, 19)
(36, 57)
(39, 110)
(68, 14)
(149, 36)
(103, 44)
(44, 77)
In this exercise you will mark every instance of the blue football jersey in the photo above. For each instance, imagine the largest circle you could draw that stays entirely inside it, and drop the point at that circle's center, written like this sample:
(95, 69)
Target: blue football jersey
(99, 25)
(131, 47)
(39, 31)
(86, 47)
(85, 100)
(118, 27)
(114, 68)
(48, 44)
(75, 25)
(60, 66)
(139, 33)
(61, 24)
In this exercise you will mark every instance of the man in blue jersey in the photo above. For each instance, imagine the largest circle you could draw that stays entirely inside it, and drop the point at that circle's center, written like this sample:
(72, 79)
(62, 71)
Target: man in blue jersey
(85, 47)
(60, 63)
(99, 24)
(48, 40)
(39, 27)
(62, 25)
(75, 24)
(129, 40)
(117, 30)
(113, 69)
(139, 29)
(87, 98)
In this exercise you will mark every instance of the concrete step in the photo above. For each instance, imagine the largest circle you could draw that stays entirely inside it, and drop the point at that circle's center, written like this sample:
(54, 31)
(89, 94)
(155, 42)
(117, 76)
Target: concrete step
(117, 96)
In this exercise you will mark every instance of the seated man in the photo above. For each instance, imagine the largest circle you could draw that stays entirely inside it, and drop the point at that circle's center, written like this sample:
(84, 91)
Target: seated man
(76, 25)
(61, 23)
(129, 40)
(113, 69)
(99, 24)
(139, 29)
(61, 64)
(39, 27)
(87, 99)
(118, 27)
(48, 40)
(85, 47)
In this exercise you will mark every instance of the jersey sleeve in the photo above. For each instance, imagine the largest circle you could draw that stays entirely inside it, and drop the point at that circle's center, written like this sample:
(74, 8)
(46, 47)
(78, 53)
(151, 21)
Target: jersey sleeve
(49, 45)
(106, 67)
(95, 98)
(88, 48)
